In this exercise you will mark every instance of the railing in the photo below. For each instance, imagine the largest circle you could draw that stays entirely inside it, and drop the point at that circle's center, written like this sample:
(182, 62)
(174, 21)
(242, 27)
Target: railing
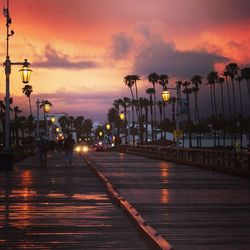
(228, 161)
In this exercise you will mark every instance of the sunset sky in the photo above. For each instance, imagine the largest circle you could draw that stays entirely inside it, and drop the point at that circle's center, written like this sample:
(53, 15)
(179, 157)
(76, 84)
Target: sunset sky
(80, 50)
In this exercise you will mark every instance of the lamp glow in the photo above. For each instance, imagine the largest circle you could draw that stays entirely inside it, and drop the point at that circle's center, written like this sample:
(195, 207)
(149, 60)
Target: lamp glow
(165, 95)
(25, 73)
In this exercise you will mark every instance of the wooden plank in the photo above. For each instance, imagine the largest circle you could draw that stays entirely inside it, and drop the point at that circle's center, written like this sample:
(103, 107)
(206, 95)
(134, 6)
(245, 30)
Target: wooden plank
(60, 208)
(192, 208)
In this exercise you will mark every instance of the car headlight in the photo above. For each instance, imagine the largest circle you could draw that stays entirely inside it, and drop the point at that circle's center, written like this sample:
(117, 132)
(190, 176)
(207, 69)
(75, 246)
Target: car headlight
(78, 149)
(85, 149)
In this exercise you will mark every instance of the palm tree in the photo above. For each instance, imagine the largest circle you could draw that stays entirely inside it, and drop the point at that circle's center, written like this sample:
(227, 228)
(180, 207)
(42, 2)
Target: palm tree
(163, 80)
(221, 81)
(145, 103)
(187, 91)
(64, 123)
(71, 123)
(239, 79)
(87, 127)
(125, 103)
(136, 78)
(27, 90)
(212, 78)
(78, 123)
(130, 82)
(151, 92)
(226, 74)
(232, 69)
(197, 81)
(246, 75)
(153, 78)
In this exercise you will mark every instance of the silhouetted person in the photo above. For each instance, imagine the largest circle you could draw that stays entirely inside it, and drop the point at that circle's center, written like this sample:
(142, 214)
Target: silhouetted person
(68, 149)
(52, 145)
(60, 145)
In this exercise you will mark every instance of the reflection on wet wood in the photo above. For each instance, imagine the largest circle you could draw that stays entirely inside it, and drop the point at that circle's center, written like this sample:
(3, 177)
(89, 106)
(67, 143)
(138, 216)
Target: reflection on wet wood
(60, 208)
(192, 208)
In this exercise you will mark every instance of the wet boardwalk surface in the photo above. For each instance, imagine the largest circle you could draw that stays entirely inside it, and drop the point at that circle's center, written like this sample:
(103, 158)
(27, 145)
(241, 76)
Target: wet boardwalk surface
(192, 208)
(60, 208)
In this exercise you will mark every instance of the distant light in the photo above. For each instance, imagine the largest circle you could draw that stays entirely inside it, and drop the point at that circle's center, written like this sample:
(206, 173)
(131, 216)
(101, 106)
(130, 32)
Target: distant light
(46, 107)
(108, 126)
(122, 116)
(53, 119)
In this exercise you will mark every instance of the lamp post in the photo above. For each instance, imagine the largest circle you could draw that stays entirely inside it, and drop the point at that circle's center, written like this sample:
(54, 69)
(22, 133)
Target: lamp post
(46, 110)
(38, 102)
(25, 74)
(53, 120)
(46, 105)
(166, 96)
(123, 116)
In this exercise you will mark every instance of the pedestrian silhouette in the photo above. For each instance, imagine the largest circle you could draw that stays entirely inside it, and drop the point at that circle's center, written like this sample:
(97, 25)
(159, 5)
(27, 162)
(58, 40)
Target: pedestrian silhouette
(42, 145)
(68, 149)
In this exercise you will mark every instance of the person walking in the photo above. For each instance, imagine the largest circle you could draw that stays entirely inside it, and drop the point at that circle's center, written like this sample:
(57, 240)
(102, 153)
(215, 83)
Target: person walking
(68, 149)
(42, 146)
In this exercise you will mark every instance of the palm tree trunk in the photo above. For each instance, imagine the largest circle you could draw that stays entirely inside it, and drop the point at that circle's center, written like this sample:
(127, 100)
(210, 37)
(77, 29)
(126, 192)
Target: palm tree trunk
(242, 115)
(215, 103)
(223, 114)
(189, 121)
(133, 122)
(248, 88)
(234, 106)
(152, 119)
(229, 100)
(211, 97)
(241, 106)
(30, 107)
(146, 118)
(155, 125)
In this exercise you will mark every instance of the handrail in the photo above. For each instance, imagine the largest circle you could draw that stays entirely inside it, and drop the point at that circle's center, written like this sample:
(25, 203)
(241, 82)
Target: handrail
(222, 160)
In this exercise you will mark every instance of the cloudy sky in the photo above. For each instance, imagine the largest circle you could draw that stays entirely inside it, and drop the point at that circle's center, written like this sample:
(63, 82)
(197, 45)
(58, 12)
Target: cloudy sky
(81, 50)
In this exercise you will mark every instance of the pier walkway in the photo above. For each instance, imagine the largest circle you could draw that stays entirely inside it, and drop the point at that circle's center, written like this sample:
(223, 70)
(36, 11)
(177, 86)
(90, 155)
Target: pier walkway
(193, 208)
(61, 208)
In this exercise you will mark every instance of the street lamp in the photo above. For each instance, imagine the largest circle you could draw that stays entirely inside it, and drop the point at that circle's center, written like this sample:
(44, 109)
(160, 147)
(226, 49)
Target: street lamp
(46, 105)
(53, 119)
(166, 96)
(108, 126)
(123, 116)
(7, 156)
(46, 110)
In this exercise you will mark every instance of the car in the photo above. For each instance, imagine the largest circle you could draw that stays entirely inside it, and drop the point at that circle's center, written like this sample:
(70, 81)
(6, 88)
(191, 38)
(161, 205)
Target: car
(81, 148)
(101, 146)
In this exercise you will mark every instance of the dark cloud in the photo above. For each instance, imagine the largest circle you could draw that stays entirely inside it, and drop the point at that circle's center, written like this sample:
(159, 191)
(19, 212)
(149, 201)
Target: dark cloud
(121, 46)
(161, 57)
(55, 59)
